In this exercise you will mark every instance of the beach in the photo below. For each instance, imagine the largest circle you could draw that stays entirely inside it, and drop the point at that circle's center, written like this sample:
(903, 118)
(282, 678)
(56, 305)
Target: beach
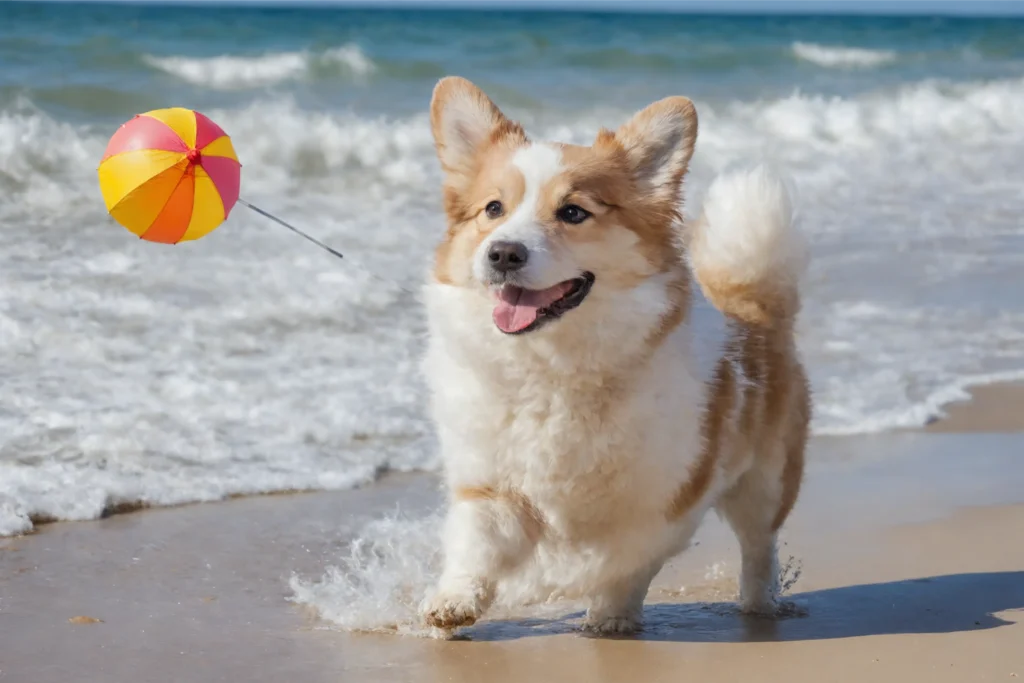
(906, 566)
(216, 460)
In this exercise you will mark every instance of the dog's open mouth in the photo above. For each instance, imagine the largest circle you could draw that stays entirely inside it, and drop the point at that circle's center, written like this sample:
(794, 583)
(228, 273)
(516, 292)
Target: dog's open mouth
(521, 310)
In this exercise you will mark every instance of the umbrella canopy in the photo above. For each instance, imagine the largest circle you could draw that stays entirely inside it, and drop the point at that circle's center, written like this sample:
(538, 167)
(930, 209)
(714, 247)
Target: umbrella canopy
(170, 175)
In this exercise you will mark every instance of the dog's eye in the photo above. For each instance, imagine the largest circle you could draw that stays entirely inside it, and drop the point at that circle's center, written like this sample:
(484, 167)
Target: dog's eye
(494, 209)
(570, 213)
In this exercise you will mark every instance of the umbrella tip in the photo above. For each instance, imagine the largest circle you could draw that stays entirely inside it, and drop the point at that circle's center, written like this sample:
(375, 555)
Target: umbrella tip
(193, 156)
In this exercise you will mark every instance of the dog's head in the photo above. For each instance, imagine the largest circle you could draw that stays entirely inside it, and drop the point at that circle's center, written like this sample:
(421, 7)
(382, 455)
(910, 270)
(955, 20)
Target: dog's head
(543, 229)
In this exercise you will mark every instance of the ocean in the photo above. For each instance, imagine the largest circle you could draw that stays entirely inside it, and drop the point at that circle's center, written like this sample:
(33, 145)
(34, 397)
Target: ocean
(251, 362)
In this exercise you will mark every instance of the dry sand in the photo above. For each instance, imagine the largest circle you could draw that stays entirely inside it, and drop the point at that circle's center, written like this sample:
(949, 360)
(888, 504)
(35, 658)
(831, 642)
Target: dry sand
(911, 547)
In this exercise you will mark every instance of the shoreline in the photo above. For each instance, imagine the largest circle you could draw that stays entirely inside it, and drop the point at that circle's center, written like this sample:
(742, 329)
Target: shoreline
(995, 407)
(990, 408)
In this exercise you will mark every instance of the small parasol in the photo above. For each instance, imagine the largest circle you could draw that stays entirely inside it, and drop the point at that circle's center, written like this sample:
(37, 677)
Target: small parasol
(172, 175)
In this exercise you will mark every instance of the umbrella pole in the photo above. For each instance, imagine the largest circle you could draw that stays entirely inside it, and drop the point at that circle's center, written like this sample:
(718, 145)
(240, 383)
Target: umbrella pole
(291, 227)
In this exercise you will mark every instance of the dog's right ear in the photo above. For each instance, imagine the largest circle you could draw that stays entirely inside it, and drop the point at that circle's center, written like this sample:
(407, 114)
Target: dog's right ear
(464, 122)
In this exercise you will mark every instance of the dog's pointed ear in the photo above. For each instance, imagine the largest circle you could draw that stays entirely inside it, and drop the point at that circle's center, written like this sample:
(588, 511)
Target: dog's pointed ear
(658, 142)
(464, 121)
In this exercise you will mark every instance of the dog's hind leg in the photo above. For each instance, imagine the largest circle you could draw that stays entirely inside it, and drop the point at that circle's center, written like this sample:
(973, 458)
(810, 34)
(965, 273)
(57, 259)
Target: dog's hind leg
(618, 610)
(487, 533)
(756, 507)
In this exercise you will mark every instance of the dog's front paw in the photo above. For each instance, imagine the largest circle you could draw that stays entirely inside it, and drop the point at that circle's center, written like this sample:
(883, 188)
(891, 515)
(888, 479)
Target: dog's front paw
(450, 611)
(760, 601)
(607, 625)
(759, 608)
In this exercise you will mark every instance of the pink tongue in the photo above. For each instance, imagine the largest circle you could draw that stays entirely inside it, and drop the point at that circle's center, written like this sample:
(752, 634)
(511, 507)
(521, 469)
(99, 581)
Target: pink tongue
(518, 308)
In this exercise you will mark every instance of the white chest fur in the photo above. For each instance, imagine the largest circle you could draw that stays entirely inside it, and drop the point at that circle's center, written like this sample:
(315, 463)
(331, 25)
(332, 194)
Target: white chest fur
(583, 446)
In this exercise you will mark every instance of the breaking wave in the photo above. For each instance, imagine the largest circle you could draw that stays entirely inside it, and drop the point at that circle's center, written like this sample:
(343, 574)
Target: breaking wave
(218, 347)
(837, 56)
(227, 72)
(280, 142)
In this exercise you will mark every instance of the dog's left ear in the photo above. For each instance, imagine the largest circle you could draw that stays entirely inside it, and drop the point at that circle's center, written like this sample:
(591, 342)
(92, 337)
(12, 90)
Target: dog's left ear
(658, 142)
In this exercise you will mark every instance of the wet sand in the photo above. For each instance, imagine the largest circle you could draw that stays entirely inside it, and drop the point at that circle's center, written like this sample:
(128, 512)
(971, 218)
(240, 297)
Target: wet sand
(908, 544)
(991, 408)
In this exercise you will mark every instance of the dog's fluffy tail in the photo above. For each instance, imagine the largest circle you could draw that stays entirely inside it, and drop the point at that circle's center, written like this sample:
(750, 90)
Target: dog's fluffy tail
(746, 253)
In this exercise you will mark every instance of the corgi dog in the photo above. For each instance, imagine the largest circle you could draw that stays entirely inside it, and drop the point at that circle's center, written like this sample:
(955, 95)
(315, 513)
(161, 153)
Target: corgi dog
(582, 439)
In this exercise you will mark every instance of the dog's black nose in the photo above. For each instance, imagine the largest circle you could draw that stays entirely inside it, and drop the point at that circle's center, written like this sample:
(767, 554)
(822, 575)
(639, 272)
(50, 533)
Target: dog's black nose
(506, 257)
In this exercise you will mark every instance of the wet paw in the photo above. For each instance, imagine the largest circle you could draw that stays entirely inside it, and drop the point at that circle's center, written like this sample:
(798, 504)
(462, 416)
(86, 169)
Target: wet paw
(779, 609)
(764, 607)
(611, 626)
(447, 611)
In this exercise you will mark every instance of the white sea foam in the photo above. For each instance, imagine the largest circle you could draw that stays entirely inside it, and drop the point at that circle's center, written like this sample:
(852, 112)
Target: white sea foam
(14, 518)
(378, 584)
(913, 414)
(385, 572)
(230, 72)
(837, 56)
(818, 130)
(252, 362)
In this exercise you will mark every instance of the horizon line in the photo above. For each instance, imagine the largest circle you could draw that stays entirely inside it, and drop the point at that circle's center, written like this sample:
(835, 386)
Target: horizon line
(904, 8)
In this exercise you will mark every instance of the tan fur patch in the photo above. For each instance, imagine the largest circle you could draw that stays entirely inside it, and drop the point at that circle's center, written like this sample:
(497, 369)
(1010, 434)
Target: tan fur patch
(468, 225)
(714, 429)
(653, 222)
(794, 442)
(774, 413)
(776, 406)
(747, 302)
(473, 177)
(530, 517)
(679, 300)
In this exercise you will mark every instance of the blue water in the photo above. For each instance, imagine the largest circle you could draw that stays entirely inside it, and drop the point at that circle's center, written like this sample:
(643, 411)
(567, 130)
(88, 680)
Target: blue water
(251, 362)
(91, 62)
